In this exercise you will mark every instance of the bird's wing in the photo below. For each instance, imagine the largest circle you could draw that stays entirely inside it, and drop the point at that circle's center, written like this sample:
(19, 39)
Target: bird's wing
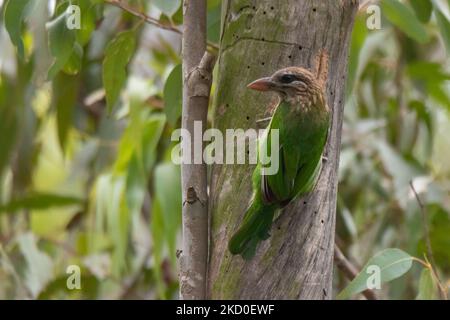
(277, 188)
(299, 165)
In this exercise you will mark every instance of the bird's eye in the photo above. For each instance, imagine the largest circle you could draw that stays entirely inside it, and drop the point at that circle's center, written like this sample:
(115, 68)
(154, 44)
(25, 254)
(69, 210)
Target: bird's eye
(288, 78)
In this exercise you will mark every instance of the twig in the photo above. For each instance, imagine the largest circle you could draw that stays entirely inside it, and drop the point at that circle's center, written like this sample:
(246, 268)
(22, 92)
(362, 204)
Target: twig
(350, 271)
(426, 228)
(424, 212)
(150, 20)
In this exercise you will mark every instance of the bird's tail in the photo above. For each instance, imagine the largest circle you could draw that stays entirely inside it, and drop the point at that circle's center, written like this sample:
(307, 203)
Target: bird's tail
(255, 228)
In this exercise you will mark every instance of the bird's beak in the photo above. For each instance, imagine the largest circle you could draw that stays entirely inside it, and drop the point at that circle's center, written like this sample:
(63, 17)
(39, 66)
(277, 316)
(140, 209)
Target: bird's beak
(263, 84)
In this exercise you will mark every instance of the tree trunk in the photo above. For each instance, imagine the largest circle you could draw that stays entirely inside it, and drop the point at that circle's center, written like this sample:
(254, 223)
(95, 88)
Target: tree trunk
(193, 258)
(258, 38)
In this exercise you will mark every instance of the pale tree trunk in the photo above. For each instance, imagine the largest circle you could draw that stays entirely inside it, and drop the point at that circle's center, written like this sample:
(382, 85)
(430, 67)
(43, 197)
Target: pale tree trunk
(258, 38)
(197, 69)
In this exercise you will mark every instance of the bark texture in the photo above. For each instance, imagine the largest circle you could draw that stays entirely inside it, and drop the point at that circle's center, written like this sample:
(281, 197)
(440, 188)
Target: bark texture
(258, 38)
(196, 88)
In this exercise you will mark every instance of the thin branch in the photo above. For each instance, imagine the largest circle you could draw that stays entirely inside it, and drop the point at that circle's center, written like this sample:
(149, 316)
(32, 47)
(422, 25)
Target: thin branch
(426, 228)
(350, 271)
(424, 212)
(155, 22)
(143, 16)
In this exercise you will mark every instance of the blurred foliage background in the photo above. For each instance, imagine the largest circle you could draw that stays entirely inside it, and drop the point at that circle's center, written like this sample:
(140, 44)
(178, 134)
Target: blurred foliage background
(86, 119)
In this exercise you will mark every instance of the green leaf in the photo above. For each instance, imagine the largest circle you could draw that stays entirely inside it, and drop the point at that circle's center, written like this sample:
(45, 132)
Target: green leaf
(89, 11)
(39, 201)
(73, 65)
(117, 56)
(427, 71)
(214, 16)
(427, 286)
(444, 26)
(404, 18)
(15, 14)
(61, 43)
(392, 264)
(168, 7)
(65, 92)
(166, 216)
(167, 185)
(173, 95)
(423, 9)
(10, 122)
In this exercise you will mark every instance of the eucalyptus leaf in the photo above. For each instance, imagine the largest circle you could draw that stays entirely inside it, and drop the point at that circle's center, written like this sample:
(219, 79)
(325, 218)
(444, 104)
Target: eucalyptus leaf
(391, 264)
(61, 43)
(444, 27)
(15, 14)
(423, 9)
(427, 286)
(173, 95)
(404, 18)
(117, 56)
(39, 201)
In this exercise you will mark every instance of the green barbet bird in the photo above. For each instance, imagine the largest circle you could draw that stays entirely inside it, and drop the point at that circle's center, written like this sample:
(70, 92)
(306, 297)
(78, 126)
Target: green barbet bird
(302, 118)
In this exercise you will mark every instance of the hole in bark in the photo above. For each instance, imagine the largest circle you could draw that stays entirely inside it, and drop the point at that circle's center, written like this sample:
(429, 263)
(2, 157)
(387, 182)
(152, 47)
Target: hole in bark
(227, 105)
(271, 8)
(263, 63)
(248, 67)
(314, 9)
(331, 92)
(264, 12)
(262, 39)
(304, 202)
(248, 118)
(324, 292)
(321, 221)
(290, 57)
(254, 8)
(315, 212)
(300, 47)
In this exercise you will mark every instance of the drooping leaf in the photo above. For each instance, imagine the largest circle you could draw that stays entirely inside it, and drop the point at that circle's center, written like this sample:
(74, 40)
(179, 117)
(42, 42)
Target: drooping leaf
(427, 286)
(167, 185)
(15, 14)
(423, 9)
(358, 37)
(73, 65)
(9, 126)
(65, 89)
(61, 43)
(444, 27)
(214, 16)
(391, 263)
(117, 56)
(404, 18)
(168, 7)
(39, 201)
(173, 95)
(166, 215)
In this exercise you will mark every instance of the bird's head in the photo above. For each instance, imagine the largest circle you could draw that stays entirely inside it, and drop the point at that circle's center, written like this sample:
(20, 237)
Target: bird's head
(292, 84)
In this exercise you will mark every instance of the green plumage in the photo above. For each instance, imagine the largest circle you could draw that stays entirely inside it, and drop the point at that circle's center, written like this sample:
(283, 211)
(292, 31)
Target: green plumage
(303, 129)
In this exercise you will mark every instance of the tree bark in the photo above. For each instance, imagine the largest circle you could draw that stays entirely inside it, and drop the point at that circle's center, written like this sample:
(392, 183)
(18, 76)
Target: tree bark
(196, 88)
(258, 38)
